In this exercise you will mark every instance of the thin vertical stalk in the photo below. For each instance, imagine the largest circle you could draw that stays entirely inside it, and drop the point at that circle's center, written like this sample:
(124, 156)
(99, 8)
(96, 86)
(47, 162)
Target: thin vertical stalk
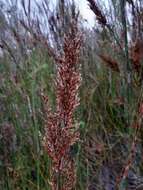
(127, 67)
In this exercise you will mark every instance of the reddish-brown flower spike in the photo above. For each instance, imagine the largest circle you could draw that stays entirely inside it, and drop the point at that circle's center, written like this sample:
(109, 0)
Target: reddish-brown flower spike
(60, 130)
(110, 62)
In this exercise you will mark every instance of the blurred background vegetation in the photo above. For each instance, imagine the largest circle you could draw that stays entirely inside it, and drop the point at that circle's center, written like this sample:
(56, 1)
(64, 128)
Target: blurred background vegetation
(111, 102)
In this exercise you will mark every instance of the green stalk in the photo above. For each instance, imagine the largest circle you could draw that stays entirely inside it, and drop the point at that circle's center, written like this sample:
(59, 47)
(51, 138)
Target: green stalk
(127, 67)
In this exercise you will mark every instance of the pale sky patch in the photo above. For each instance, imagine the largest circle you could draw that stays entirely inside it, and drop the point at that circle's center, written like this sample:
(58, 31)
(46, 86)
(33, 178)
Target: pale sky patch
(86, 12)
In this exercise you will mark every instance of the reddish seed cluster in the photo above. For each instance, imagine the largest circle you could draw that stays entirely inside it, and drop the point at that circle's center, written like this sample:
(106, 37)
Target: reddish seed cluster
(135, 54)
(60, 131)
(111, 63)
(141, 109)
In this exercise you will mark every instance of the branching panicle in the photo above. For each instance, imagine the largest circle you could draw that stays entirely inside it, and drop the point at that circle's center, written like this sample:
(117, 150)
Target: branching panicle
(60, 130)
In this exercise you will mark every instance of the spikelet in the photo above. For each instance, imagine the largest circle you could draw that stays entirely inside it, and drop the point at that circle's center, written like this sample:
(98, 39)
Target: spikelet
(98, 13)
(136, 55)
(110, 62)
